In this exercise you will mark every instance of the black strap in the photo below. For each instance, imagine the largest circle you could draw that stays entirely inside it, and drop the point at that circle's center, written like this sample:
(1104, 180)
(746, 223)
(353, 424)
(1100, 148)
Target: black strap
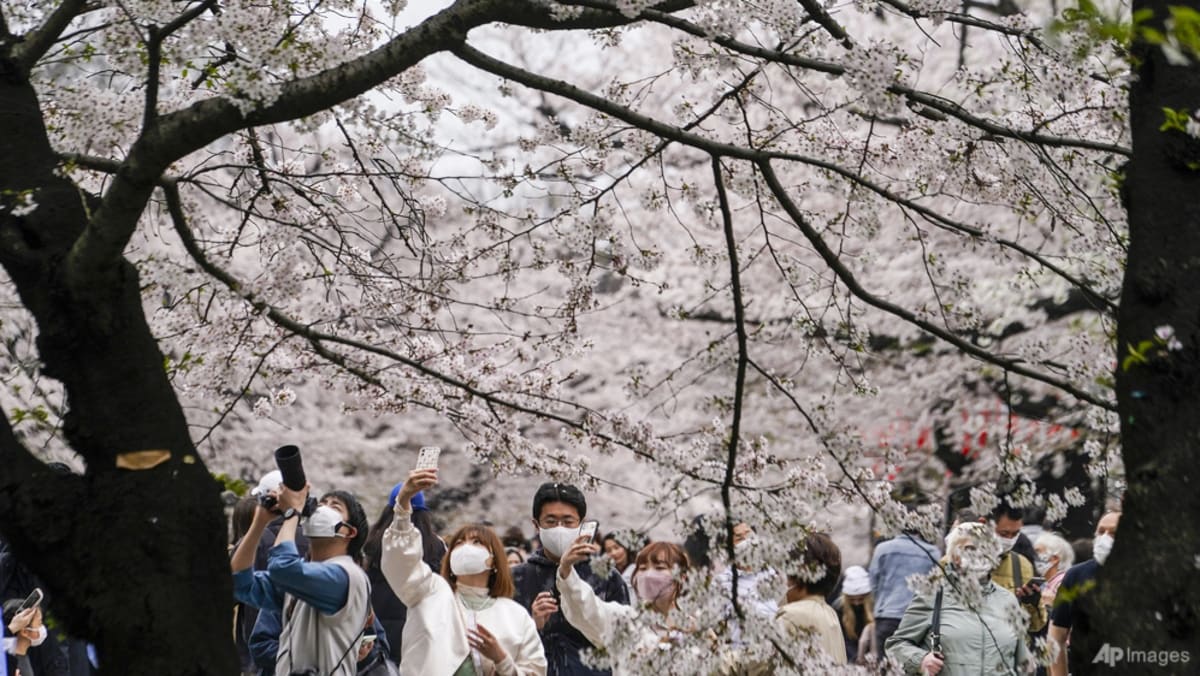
(353, 643)
(1016, 566)
(935, 625)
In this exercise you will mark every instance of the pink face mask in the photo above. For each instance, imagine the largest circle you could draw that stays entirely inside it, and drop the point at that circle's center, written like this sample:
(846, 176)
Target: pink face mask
(652, 585)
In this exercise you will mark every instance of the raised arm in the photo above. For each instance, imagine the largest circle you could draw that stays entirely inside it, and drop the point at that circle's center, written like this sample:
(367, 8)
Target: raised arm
(401, 561)
(580, 606)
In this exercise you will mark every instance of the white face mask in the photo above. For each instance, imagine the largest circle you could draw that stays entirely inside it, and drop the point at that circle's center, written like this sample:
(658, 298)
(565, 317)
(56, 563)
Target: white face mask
(556, 541)
(1102, 547)
(1006, 544)
(41, 637)
(324, 523)
(1042, 565)
(469, 559)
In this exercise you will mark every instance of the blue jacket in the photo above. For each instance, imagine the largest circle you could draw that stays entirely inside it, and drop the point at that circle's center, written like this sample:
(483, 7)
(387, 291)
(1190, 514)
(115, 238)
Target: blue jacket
(562, 641)
(892, 563)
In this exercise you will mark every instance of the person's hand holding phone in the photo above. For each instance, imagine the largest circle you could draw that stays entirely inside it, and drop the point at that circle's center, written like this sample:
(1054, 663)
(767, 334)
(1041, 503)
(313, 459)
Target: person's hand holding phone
(26, 618)
(417, 481)
(580, 551)
(1029, 592)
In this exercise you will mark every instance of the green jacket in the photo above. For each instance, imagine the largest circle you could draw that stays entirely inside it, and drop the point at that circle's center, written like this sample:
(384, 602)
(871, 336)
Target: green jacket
(974, 643)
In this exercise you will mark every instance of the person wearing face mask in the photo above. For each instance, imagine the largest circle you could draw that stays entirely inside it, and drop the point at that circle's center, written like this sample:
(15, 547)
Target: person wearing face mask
(28, 632)
(659, 571)
(975, 631)
(323, 603)
(1070, 604)
(558, 512)
(1054, 557)
(749, 579)
(1015, 569)
(463, 621)
(819, 564)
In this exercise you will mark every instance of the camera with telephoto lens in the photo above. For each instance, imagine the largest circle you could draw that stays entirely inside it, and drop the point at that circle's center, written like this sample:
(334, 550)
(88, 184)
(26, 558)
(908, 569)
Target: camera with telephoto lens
(287, 459)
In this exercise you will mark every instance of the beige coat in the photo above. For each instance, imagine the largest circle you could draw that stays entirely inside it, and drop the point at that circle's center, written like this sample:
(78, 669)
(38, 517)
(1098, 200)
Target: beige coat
(812, 615)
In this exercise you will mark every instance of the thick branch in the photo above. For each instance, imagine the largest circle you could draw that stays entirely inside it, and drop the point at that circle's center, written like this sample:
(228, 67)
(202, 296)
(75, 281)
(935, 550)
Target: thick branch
(914, 96)
(190, 129)
(39, 40)
(685, 137)
(843, 273)
(818, 14)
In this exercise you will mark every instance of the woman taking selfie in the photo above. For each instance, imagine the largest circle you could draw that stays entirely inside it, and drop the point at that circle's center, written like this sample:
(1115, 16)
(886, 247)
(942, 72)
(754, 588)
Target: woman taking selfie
(463, 621)
(659, 570)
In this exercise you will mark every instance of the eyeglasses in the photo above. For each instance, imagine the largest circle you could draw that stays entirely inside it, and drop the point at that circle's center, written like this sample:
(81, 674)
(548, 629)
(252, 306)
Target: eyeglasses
(554, 522)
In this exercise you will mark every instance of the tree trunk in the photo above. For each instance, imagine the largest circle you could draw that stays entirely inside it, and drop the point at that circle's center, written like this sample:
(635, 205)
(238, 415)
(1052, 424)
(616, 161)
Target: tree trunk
(134, 560)
(1149, 593)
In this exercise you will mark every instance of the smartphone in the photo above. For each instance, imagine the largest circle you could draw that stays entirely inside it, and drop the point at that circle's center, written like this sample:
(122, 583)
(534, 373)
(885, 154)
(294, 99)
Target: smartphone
(588, 530)
(1037, 581)
(34, 599)
(367, 641)
(428, 457)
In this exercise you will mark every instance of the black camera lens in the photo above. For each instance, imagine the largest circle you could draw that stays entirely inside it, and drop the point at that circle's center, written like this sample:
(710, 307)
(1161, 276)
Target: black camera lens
(287, 458)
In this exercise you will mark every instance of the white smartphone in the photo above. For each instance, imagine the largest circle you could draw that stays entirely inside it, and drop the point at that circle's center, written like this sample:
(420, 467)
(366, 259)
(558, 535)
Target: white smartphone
(588, 530)
(34, 599)
(428, 457)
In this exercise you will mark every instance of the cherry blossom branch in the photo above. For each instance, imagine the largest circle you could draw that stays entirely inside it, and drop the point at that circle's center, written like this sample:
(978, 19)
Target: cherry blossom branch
(154, 40)
(818, 14)
(182, 132)
(847, 277)
(739, 387)
(318, 339)
(38, 41)
(686, 137)
(932, 101)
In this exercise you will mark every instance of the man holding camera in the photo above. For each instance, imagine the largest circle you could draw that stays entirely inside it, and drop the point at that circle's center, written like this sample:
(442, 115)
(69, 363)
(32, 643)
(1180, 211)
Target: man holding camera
(324, 603)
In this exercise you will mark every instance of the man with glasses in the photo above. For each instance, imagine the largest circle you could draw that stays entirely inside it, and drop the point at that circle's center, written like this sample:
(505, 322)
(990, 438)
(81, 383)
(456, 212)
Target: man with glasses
(558, 511)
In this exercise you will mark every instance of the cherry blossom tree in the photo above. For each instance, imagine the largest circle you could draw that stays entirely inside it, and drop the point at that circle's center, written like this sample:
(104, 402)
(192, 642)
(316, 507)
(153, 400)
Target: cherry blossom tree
(760, 254)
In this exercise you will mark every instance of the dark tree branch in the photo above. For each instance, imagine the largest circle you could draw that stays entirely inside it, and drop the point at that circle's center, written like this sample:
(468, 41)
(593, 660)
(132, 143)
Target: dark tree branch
(739, 386)
(685, 137)
(916, 97)
(190, 129)
(843, 273)
(818, 14)
(38, 41)
(154, 40)
(319, 340)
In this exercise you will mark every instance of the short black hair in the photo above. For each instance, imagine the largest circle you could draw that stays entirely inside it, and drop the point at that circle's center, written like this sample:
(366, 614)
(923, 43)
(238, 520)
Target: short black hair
(358, 519)
(1006, 510)
(556, 492)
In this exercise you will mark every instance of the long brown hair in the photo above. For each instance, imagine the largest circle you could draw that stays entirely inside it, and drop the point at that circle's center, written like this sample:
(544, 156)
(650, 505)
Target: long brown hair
(500, 582)
(848, 614)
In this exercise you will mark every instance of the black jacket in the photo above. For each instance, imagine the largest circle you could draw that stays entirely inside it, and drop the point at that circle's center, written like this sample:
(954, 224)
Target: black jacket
(562, 641)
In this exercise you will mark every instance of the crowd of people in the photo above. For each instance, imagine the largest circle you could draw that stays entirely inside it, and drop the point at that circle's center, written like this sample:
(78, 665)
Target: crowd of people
(482, 602)
(320, 590)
